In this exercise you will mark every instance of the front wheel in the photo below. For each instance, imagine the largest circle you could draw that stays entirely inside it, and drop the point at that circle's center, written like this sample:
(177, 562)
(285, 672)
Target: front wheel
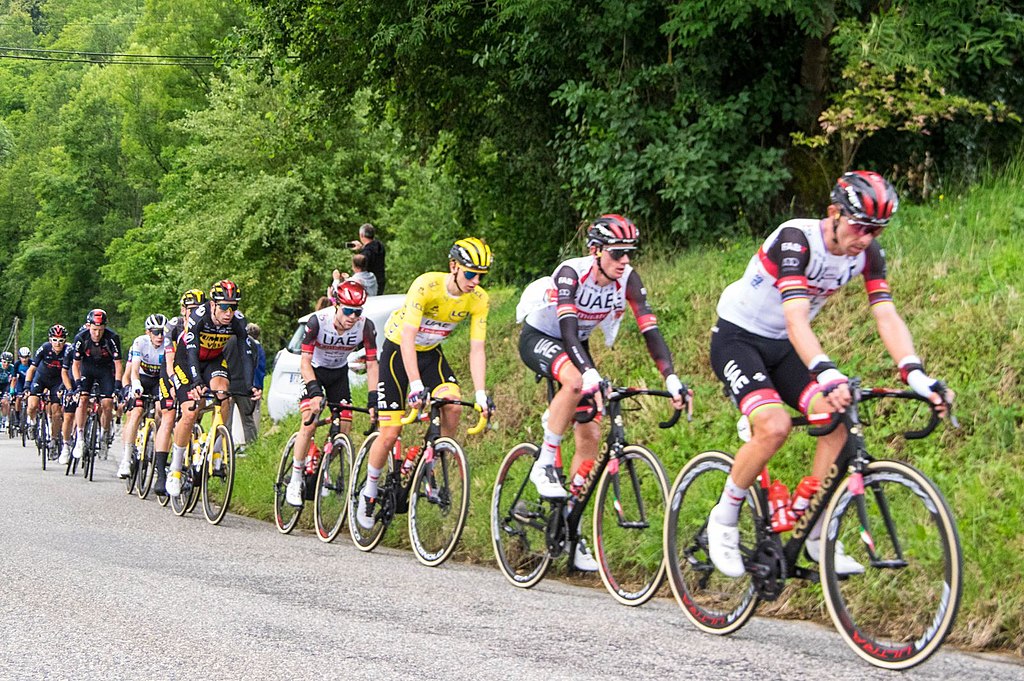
(519, 519)
(286, 516)
(366, 539)
(711, 601)
(92, 447)
(147, 456)
(896, 524)
(218, 477)
(439, 502)
(629, 518)
(330, 502)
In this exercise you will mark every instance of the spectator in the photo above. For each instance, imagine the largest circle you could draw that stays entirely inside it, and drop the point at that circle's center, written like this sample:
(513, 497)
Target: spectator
(248, 408)
(321, 303)
(361, 276)
(373, 249)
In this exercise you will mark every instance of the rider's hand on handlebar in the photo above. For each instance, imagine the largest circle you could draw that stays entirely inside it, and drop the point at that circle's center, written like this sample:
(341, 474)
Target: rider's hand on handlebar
(682, 396)
(485, 403)
(197, 392)
(417, 394)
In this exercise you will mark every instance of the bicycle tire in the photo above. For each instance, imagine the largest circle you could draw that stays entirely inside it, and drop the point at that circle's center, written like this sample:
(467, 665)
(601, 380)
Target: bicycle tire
(893, 617)
(330, 503)
(218, 479)
(91, 449)
(367, 540)
(22, 418)
(629, 527)
(439, 502)
(286, 516)
(186, 501)
(519, 520)
(42, 435)
(147, 459)
(711, 601)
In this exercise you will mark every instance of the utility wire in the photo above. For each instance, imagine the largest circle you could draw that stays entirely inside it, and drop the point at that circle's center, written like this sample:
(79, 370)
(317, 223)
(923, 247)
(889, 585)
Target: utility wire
(36, 50)
(111, 62)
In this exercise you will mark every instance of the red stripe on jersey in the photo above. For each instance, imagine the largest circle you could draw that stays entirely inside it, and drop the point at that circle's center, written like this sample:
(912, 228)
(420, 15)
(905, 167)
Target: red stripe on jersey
(767, 263)
(557, 365)
(794, 284)
(647, 322)
(371, 354)
(876, 286)
(307, 348)
(566, 309)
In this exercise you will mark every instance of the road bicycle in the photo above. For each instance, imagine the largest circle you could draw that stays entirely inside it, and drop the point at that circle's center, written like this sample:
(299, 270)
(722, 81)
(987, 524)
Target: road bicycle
(22, 411)
(888, 516)
(430, 483)
(208, 470)
(630, 486)
(140, 478)
(91, 438)
(325, 481)
(47, 447)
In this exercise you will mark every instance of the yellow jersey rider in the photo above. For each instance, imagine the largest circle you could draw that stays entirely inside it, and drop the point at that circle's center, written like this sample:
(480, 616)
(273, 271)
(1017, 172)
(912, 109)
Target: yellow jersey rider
(411, 361)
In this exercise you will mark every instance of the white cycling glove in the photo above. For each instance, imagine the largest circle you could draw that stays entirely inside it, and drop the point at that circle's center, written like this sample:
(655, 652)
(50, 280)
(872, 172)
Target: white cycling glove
(481, 401)
(674, 386)
(136, 386)
(591, 381)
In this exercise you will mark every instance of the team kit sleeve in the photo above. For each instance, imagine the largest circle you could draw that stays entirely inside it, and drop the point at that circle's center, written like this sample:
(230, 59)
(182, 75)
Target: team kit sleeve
(567, 282)
(478, 315)
(238, 324)
(786, 259)
(415, 302)
(636, 296)
(312, 331)
(370, 340)
(875, 282)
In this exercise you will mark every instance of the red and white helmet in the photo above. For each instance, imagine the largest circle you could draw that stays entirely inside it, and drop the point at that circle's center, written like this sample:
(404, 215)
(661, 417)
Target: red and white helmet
(613, 231)
(348, 294)
(865, 196)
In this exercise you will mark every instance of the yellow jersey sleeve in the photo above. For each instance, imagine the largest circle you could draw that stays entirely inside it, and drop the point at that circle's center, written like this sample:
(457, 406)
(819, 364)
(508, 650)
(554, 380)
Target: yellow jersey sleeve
(435, 313)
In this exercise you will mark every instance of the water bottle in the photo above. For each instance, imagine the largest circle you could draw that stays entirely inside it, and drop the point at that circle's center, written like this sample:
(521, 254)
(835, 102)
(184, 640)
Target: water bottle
(312, 459)
(778, 507)
(411, 454)
(580, 478)
(802, 495)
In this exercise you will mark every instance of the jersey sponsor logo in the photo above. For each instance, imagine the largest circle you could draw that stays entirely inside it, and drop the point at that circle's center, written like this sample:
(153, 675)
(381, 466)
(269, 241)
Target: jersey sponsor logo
(790, 246)
(566, 280)
(790, 262)
(734, 375)
(546, 348)
(756, 281)
(591, 299)
(564, 292)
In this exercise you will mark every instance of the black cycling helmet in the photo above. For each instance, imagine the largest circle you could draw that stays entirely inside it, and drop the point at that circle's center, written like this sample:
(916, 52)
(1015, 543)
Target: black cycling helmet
(7, 357)
(225, 291)
(58, 331)
(866, 197)
(96, 316)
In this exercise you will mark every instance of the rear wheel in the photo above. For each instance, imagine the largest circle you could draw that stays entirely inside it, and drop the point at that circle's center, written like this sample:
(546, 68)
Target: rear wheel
(330, 502)
(286, 516)
(92, 446)
(439, 502)
(218, 476)
(899, 527)
(519, 519)
(629, 524)
(43, 435)
(366, 539)
(711, 601)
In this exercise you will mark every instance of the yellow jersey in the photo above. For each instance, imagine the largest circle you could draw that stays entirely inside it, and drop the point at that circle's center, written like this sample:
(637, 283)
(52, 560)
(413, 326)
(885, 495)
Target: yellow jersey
(436, 313)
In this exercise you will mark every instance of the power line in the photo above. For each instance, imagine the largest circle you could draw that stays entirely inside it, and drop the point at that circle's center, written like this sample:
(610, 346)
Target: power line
(111, 62)
(34, 50)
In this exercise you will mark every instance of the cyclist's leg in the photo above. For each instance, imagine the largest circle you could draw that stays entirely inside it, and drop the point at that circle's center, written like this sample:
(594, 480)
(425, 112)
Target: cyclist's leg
(85, 387)
(164, 433)
(182, 433)
(435, 370)
(33, 401)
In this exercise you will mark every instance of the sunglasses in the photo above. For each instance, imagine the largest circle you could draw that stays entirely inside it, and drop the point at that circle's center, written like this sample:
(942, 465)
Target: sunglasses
(227, 306)
(157, 332)
(617, 254)
(58, 340)
(348, 311)
(865, 228)
(471, 275)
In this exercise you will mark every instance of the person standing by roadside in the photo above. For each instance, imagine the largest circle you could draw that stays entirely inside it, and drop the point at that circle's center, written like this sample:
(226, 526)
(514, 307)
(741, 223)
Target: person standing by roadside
(373, 249)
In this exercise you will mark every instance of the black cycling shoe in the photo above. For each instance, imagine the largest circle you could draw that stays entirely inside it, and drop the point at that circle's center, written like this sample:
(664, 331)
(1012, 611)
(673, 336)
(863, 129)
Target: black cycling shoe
(160, 486)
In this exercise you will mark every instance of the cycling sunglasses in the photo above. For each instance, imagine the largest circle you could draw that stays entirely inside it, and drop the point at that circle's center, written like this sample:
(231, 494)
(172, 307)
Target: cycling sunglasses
(58, 340)
(866, 228)
(471, 275)
(617, 253)
(348, 311)
(227, 306)
(156, 332)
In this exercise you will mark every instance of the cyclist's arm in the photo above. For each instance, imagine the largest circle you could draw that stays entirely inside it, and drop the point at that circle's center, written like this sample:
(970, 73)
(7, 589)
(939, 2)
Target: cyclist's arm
(118, 369)
(372, 367)
(478, 364)
(567, 282)
(477, 338)
(76, 370)
(412, 316)
(408, 347)
(636, 296)
(308, 345)
(29, 374)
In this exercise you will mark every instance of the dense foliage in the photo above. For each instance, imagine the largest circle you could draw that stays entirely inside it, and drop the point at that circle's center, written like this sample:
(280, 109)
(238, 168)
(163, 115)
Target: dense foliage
(515, 119)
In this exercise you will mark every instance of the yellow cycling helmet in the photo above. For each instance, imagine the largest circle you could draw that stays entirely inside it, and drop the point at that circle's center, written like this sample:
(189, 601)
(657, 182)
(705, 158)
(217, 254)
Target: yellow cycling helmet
(192, 298)
(472, 253)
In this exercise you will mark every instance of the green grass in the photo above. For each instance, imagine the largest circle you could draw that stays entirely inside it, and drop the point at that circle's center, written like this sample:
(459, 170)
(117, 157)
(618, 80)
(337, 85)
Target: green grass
(955, 267)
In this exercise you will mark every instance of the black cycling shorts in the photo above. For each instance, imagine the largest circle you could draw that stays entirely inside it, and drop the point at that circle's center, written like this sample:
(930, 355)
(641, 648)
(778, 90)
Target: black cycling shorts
(150, 388)
(42, 382)
(334, 383)
(394, 382)
(100, 376)
(213, 368)
(757, 371)
(545, 354)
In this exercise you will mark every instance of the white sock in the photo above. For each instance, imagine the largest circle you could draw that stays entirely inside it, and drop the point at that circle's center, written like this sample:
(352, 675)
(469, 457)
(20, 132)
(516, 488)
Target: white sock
(372, 476)
(727, 512)
(177, 457)
(298, 469)
(549, 449)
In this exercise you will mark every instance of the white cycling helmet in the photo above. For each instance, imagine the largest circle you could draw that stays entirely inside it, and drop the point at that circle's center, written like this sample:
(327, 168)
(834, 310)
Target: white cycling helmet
(24, 352)
(155, 322)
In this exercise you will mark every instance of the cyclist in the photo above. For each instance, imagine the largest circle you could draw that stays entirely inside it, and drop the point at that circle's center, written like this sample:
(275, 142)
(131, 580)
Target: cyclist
(332, 334)
(6, 374)
(766, 354)
(44, 375)
(145, 358)
(560, 313)
(190, 300)
(18, 385)
(94, 360)
(199, 363)
(412, 357)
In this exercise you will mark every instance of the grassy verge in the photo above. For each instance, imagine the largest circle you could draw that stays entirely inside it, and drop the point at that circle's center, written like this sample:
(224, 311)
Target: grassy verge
(954, 266)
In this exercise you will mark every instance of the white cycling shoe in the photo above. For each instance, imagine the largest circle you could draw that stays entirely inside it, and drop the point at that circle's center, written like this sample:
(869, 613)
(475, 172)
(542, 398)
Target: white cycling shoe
(545, 479)
(65, 455)
(364, 514)
(843, 563)
(584, 560)
(724, 548)
(125, 469)
(174, 484)
(79, 446)
(293, 494)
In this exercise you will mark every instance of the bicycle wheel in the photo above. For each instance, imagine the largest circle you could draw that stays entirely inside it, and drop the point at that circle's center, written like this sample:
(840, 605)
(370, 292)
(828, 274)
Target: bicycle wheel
(439, 502)
(92, 441)
(147, 456)
(218, 476)
(519, 519)
(711, 601)
(366, 540)
(186, 501)
(43, 435)
(22, 420)
(331, 500)
(285, 515)
(629, 518)
(900, 610)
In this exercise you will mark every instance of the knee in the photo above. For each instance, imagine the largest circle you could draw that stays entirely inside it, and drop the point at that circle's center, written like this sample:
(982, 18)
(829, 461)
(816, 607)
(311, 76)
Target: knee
(772, 427)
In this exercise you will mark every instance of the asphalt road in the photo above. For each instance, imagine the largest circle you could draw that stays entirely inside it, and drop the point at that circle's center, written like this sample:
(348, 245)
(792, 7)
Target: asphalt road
(98, 585)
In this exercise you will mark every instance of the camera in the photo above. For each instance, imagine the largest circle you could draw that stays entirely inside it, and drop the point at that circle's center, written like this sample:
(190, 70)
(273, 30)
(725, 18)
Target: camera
(353, 245)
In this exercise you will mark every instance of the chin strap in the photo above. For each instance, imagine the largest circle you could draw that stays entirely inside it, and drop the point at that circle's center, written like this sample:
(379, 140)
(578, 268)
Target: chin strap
(455, 278)
(835, 231)
(597, 261)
